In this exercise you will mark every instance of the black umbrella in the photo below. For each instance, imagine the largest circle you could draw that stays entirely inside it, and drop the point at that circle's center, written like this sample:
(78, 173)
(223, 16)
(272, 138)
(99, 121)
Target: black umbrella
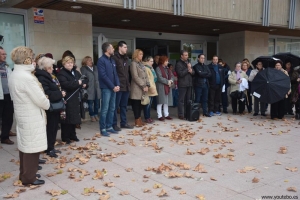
(270, 85)
(288, 56)
(267, 61)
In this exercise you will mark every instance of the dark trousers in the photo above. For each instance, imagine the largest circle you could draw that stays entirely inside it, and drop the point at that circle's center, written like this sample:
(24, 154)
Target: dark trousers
(224, 99)
(215, 98)
(278, 109)
(249, 101)
(137, 108)
(259, 106)
(28, 167)
(201, 96)
(234, 102)
(185, 94)
(52, 127)
(68, 131)
(175, 97)
(288, 104)
(147, 109)
(121, 102)
(6, 113)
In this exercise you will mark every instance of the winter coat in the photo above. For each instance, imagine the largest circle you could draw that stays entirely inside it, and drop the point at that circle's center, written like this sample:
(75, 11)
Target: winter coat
(122, 66)
(49, 86)
(8, 71)
(212, 79)
(160, 85)
(202, 73)
(232, 81)
(93, 90)
(139, 80)
(253, 74)
(69, 83)
(152, 90)
(185, 79)
(107, 73)
(30, 103)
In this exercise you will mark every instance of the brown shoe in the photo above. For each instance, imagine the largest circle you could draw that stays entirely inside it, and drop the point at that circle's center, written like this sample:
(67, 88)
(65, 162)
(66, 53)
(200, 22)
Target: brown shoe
(161, 119)
(7, 141)
(143, 123)
(93, 119)
(169, 118)
(12, 133)
(181, 117)
(78, 126)
(138, 123)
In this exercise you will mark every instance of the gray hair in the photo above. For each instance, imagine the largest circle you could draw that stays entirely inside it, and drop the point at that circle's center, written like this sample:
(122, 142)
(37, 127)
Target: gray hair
(45, 62)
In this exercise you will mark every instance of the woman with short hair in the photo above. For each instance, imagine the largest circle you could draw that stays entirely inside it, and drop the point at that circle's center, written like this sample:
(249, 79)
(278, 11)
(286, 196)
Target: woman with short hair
(91, 72)
(164, 83)
(70, 82)
(139, 85)
(53, 90)
(246, 67)
(30, 103)
(152, 92)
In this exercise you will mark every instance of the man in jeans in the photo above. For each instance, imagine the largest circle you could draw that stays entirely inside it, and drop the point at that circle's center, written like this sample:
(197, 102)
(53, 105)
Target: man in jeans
(109, 83)
(6, 104)
(185, 73)
(122, 65)
(202, 73)
(216, 82)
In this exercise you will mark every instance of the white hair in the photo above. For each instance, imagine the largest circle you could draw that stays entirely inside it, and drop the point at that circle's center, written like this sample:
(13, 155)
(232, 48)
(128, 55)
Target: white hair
(45, 62)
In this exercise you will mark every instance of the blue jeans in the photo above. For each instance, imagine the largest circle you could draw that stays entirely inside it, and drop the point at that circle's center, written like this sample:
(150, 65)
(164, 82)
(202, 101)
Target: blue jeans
(175, 97)
(93, 107)
(108, 103)
(201, 96)
(147, 109)
(121, 102)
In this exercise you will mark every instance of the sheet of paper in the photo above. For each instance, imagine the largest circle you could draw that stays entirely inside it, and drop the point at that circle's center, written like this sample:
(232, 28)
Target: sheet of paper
(256, 95)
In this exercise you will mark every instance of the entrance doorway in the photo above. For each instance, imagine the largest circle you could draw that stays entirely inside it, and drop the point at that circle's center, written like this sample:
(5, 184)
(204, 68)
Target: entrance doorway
(170, 48)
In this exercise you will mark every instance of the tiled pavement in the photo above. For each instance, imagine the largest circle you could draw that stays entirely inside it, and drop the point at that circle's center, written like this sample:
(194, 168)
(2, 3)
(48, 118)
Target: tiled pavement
(255, 142)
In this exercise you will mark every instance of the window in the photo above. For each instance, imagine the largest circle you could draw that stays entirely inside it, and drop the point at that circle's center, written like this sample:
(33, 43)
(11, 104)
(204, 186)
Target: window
(271, 49)
(12, 29)
(288, 45)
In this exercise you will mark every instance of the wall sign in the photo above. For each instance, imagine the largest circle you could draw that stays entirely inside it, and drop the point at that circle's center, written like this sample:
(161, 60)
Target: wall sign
(38, 16)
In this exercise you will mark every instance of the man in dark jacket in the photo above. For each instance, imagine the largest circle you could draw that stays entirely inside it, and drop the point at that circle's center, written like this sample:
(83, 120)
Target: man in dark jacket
(216, 82)
(202, 73)
(109, 83)
(184, 72)
(122, 65)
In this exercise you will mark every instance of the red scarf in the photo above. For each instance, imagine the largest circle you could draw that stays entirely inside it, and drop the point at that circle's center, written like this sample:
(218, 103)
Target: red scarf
(164, 75)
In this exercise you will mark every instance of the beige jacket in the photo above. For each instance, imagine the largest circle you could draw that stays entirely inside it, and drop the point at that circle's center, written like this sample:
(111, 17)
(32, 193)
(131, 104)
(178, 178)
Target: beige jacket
(152, 90)
(232, 81)
(139, 80)
(30, 104)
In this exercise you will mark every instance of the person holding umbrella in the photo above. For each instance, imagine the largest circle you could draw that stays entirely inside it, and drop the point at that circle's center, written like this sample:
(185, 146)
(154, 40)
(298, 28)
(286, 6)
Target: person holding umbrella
(288, 101)
(295, 78)
(277, 108)
(262, 106)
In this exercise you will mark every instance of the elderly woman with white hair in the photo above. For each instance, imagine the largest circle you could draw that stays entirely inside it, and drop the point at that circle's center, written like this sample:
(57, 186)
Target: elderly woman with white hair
(30, 103)
(52, 89)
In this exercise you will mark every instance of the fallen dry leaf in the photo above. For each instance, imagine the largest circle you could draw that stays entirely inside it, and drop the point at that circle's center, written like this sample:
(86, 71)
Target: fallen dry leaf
(105, 197)
(200, 197)
(213, 178)
(292, 169)
(109, 184)
(176, 188)
(157, 185)
(18, 183)
(251, 154)
(54, 192)
(51, 174)
(129, 169)
(20, 190)
(182, 192)
(277, 163)
(147, 191)
(292, 189)
(124, 193)
(255, 180)
(162, 193)
(116, 175)
(200, 168)
(282, 150)
(11, 196)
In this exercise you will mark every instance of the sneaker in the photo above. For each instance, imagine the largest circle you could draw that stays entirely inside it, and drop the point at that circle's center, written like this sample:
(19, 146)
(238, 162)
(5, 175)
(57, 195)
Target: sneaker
(218, 114)
(105, 134)
(116, 128)
(111, 130)
(211, 113)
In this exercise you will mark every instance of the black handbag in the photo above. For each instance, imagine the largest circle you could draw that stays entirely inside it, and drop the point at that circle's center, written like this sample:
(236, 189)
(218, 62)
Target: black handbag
(57, 106)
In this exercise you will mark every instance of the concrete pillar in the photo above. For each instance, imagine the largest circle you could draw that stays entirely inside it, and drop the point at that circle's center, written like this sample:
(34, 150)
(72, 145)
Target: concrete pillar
(234, 47)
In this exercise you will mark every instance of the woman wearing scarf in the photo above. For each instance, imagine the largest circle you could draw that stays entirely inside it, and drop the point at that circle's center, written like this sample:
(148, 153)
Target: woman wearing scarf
(235, 79)
(163, 85)
(139, 85)
(152, 92)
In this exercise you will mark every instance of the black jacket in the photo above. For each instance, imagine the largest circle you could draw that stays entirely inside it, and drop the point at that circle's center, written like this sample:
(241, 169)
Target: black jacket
(69, 83)
(122, 66)
(226, 69)
(49, 86)
(212, 79)
(185, 79)
(202, 73)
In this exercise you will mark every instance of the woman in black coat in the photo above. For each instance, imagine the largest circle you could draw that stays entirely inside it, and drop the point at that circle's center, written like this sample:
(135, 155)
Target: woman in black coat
(53, 91)
(69, 79)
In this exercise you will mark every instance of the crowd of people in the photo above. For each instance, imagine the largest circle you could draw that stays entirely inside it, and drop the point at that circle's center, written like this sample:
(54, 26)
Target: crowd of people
(42, 95)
